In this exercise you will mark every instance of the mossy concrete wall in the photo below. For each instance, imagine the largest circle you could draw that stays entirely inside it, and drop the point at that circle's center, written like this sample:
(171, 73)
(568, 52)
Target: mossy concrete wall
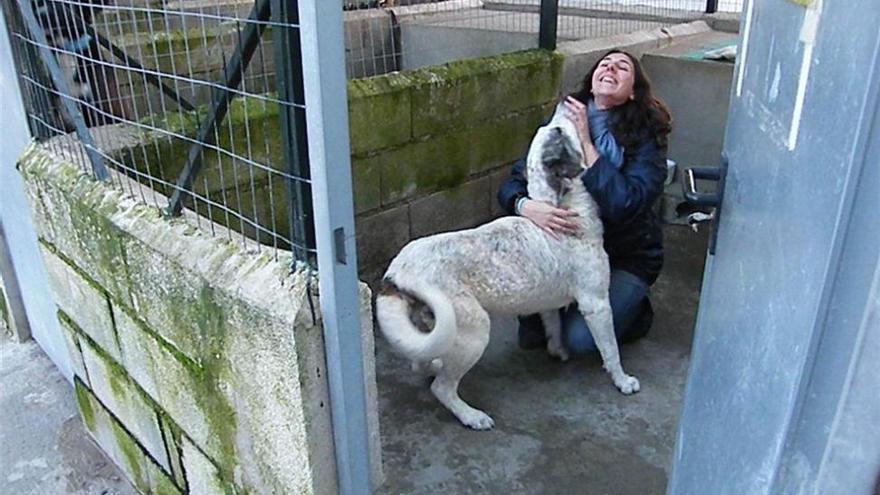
(428, 149)
(199, 367)
(431, 146)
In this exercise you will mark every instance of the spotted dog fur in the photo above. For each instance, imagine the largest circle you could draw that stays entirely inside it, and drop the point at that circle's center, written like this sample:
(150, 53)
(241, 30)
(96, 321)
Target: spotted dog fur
(506, 267)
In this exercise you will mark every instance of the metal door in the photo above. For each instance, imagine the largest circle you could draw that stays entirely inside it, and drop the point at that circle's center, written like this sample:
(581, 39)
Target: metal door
(789, 303)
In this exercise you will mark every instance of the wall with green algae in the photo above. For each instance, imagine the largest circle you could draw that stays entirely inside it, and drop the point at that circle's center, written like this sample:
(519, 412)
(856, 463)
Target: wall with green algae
(436, 139)
(199, 367)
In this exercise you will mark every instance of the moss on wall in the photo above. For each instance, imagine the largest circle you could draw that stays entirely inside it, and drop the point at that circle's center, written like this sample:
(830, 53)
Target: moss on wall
(210, 340)
(412, 133)
(85, 405)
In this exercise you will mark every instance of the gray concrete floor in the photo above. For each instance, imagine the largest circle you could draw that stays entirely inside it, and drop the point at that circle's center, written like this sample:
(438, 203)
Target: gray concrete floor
(559, 427)
(44, 448)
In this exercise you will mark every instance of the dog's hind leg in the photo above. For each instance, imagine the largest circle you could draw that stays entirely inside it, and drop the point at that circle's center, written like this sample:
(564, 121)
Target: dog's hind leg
(597, 313)
(553, 331)
(471, 341)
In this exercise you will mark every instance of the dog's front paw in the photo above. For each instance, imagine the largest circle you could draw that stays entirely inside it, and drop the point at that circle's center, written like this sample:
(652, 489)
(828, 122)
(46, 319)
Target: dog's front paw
(477, 420)
(557, 350)
(627, 384)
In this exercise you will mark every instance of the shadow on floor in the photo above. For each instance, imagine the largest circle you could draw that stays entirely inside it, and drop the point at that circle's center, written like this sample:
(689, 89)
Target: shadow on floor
(44, 447)
(559, 428)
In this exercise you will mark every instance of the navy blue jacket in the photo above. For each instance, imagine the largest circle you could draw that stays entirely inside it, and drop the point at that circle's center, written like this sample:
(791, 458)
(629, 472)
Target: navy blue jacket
(633, 239)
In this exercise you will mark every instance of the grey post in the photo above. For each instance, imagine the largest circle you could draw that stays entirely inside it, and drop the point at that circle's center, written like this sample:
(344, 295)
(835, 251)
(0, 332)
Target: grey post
(711, 6)
(547, 29)
(327, 128)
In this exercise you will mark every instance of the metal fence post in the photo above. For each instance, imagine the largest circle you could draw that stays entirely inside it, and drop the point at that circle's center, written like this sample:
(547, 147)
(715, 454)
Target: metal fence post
(323, 61)
(711, 6)
(292, 116)
(547, 31)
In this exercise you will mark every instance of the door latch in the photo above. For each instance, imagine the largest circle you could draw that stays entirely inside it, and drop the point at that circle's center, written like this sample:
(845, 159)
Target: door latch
(705, 200)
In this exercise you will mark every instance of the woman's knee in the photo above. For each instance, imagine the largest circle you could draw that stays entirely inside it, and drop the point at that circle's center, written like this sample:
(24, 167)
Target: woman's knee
(580, 343)
(577, 337)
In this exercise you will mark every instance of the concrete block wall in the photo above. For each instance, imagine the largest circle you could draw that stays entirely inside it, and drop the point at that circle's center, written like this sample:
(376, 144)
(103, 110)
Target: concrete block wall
(430, 146)
(199, 368)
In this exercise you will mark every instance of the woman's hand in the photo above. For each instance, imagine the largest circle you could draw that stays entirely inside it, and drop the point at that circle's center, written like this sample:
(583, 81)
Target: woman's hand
(576, 112)
(554, 221)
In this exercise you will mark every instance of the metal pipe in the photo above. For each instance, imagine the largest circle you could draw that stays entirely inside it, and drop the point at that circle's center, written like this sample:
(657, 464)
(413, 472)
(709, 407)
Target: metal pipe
(549, 19)
(711, 6)
(289, 83)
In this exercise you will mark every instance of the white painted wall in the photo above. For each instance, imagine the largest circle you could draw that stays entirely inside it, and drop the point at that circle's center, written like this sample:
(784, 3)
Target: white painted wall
(16, 219)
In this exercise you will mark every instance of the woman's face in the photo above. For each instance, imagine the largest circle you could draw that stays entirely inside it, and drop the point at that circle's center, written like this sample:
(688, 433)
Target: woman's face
(613, 80)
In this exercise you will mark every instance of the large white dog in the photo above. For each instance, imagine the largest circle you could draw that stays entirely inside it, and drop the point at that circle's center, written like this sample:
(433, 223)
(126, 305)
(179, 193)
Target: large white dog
(507, 267)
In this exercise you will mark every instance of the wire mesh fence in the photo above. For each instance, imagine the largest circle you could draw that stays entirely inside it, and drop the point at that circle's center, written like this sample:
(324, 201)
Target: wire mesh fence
(182, 98)
(410, 34)
(202, 101)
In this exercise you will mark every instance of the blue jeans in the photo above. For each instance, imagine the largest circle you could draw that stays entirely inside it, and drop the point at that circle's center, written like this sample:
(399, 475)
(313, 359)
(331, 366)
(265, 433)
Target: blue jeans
(627, 293)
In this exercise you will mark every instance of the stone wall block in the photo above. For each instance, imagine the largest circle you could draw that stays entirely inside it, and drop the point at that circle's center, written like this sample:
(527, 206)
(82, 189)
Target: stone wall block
(264, 204)
(379, 113)
(366, 184)
(465, 92)
(269, 377)
(81, 233)
(174, 302)
(172, 381)
(119, 394)
(172, 435)
(245, 409)
(74, 349)
(251, 118)
(505, 139)
(201, 474)
(80, 300)
(381, 236)
(496, 179)
(462, 207)
(123, 449)
(446, 161)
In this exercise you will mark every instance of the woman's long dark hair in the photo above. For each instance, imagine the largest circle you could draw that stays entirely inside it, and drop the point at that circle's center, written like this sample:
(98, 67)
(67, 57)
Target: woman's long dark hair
(644, 114)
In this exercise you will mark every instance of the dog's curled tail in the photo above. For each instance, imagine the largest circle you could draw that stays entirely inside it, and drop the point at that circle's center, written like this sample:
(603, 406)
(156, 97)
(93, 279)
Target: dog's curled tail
(394, 310)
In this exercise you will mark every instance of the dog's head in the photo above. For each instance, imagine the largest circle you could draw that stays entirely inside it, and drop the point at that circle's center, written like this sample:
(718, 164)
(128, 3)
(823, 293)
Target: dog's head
(555, 159)
(561, 156)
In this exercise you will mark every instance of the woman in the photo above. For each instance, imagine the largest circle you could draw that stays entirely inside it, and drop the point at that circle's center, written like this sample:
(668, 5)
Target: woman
(623, 129)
